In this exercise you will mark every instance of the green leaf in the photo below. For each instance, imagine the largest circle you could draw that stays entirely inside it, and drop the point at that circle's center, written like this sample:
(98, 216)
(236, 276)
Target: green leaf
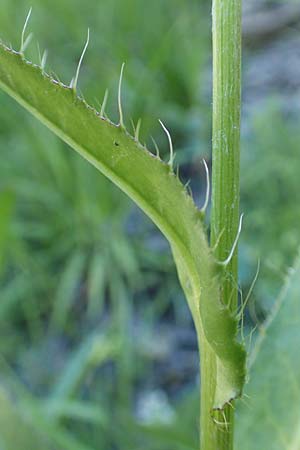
(154, 187)
(270, 417)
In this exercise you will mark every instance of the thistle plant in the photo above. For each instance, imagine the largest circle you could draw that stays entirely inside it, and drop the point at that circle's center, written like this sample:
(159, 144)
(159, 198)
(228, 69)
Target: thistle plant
(226, 16)
(207, 272)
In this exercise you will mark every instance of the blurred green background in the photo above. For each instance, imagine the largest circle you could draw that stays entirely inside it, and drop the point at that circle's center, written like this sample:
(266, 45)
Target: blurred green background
(97, 347)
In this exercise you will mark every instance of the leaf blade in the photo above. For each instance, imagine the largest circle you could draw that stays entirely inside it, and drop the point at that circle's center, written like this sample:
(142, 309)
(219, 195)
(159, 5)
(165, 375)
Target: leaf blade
(154, 188)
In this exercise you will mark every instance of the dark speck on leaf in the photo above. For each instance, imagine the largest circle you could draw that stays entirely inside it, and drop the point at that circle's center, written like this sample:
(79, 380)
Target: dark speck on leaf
(116, 144)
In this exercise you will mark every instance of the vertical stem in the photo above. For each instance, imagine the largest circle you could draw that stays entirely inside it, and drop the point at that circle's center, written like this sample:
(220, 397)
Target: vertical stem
(217, 432)
(226, 133)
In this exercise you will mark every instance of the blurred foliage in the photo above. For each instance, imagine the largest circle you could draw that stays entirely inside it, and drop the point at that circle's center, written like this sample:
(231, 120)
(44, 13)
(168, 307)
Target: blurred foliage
(270, 192)
(270, 416)
(85, 279)
(80, 260)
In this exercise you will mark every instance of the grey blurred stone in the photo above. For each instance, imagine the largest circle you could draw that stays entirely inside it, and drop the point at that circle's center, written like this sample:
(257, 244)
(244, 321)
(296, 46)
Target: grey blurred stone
(274, 71)
(153, 407)
(265, 19)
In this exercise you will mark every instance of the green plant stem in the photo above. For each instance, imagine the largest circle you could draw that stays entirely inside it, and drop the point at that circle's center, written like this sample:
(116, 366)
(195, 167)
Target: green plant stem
(217, 426)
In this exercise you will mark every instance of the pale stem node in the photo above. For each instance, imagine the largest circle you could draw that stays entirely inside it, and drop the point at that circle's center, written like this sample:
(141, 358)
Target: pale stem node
(25, 42)
(42, 59)
(252, 352)
(228, 259)
(187, 184)
(226, 423)
(172, 156)
(155, 146)
(121, 121)
(203, 209)
(245, 302)
(74, 80)
(103, 106)
(189, 189)
(55, 77)
(231, 405)
(245, 400)
(137, 130)
(39, 53)
(133, 126)
(214, 248)
(223, 424)
(251, 335)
